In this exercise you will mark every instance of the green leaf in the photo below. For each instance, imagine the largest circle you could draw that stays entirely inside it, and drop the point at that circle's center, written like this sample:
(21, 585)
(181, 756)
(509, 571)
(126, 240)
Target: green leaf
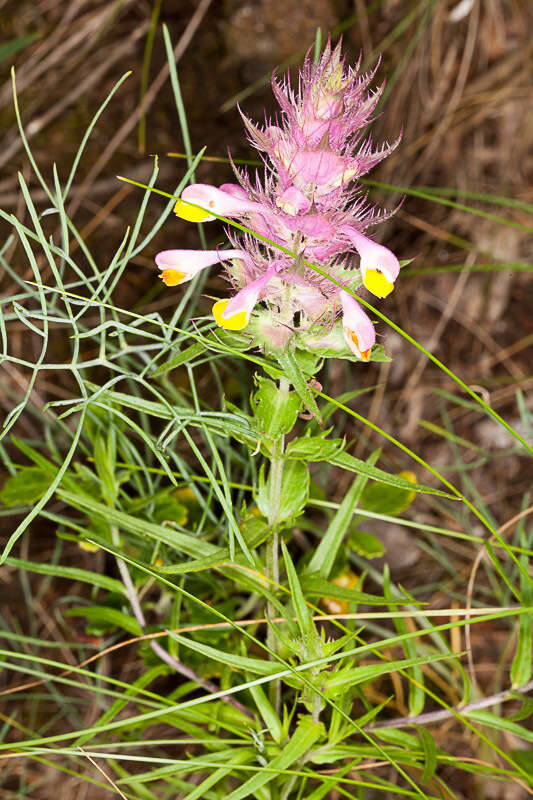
(350, 676)
(269, 716)
(70, 573)
(9, 49)
(304, 737)
(400, 738)
(196, 565)
(525, 711)
(318, 587)
(255, 530)
(524, 759)
(293, 372)
(294, 491)
(365, 544)
(430, 753)
(346, 461)
(417, 696)
(326, 552)
(275, 411)
(219, 422)
(36, 457)
(104, 618)
(105, 468)
(387, 499)
(522, 664)
(26, 487)
(256, 666)
(168, 509)
(190, 545)
(303, 613)
(187, 355)
(313, 448)
(500, 724)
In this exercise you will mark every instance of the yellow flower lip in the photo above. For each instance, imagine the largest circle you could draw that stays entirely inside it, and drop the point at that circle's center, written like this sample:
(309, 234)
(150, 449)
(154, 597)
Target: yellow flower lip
(190, 213)
(173, 277)
(236, 322)
(376, 282)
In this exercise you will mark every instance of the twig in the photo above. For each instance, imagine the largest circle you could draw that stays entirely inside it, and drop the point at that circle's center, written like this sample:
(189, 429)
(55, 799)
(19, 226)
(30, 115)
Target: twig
(457, 711)
(106, 776)
(180, 668)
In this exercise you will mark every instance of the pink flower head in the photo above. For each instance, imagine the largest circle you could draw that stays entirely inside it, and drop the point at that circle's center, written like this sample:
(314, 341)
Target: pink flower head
(309, 208)
(293, 202)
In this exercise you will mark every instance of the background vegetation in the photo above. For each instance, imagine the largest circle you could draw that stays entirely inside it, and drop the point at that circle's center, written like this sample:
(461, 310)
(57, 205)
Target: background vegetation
(127, 473)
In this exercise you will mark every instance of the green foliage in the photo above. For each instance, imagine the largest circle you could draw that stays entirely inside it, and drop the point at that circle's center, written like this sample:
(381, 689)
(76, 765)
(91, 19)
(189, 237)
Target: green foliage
(294, 491)
(365, 544)
(25, 488)
(275, 411)
(294, 370)
(326, 553)
(14, 46)
(388, 499)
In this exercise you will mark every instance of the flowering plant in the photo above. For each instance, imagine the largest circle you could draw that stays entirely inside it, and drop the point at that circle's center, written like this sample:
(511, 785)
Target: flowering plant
(308, 208)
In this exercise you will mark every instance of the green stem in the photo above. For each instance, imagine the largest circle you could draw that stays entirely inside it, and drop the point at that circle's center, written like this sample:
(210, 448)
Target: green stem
(317, 705)
(272, 548)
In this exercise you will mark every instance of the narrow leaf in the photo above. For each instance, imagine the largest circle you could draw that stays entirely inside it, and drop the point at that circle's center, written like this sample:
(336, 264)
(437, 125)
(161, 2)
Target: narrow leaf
(326, 552)
(347, 461)
(416, 685)
(293, 372)
(303, 739)
(303, 614)
(255, 665)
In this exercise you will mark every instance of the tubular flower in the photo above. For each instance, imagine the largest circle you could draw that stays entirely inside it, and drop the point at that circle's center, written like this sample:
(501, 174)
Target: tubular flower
(357, 327)
(379, 266)
(199, 199)
(309, 208)
(179, 266)
(234, 314)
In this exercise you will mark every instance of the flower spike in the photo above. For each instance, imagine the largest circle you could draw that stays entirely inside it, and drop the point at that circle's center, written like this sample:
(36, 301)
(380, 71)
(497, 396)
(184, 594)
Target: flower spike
(308, 209)
(357, 327)
(180, 266)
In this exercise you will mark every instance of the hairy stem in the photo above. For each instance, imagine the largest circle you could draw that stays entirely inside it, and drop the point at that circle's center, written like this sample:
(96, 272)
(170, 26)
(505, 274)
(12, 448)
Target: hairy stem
(272, 548)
